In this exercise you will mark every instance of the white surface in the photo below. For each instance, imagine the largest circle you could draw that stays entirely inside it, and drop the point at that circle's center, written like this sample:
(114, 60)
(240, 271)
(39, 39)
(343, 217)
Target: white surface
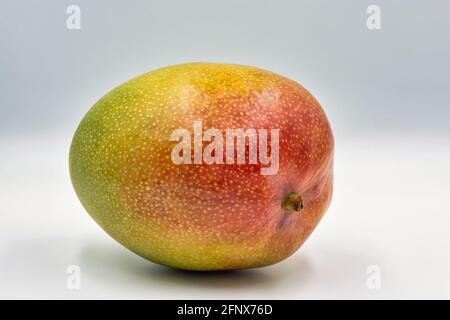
(390, 209)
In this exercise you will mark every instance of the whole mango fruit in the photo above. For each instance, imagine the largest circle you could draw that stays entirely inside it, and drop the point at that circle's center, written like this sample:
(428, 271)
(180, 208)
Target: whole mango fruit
(206, 166)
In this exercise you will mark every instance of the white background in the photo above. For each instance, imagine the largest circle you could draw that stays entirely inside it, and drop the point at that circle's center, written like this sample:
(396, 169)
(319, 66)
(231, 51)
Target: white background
(390, 209)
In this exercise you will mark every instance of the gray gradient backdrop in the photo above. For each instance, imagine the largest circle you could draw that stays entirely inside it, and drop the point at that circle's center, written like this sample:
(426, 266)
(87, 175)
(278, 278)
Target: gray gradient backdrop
(385, 92)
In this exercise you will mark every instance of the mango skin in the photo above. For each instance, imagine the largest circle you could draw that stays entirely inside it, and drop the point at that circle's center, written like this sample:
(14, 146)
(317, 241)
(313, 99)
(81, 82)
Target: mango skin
(202, 217)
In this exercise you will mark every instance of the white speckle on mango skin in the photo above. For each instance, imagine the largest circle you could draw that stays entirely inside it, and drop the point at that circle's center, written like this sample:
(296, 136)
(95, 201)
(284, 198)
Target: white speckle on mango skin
(202, 217)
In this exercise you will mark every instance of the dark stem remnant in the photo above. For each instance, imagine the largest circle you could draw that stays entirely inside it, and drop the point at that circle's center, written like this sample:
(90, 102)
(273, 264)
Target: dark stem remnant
(292, 202)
